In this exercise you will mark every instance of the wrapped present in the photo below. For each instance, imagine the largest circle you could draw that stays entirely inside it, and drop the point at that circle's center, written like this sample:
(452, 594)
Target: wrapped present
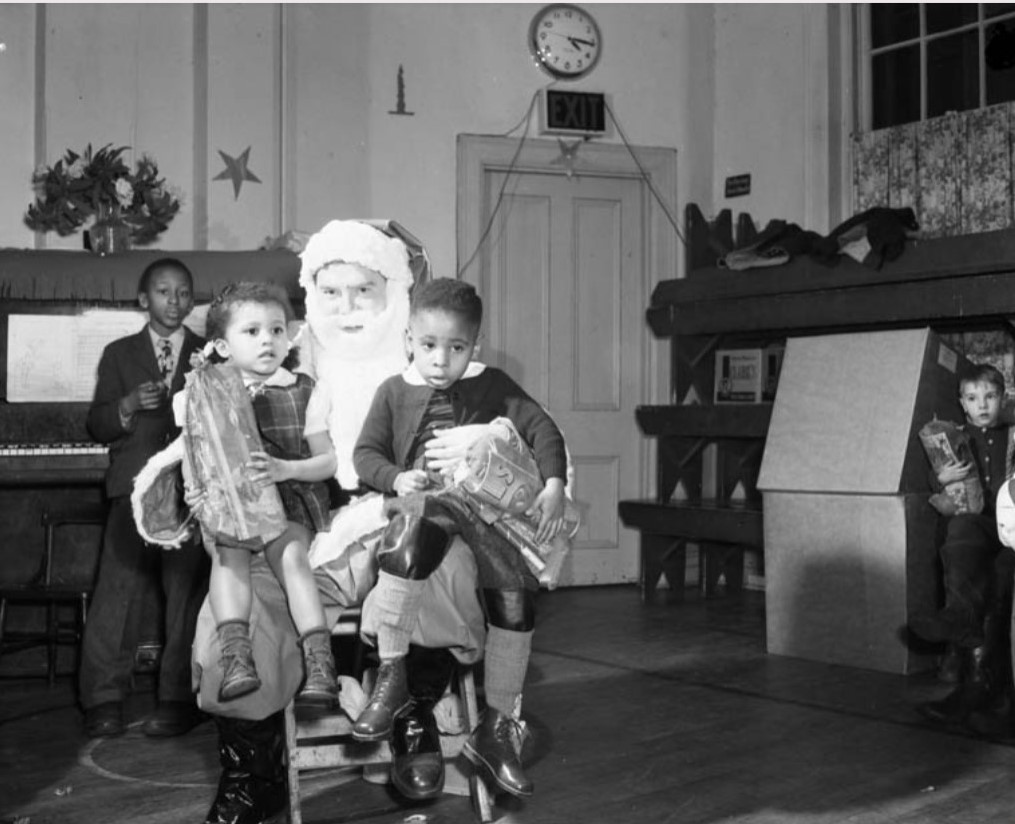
(219, 434)
(500, 480)
(947, 444)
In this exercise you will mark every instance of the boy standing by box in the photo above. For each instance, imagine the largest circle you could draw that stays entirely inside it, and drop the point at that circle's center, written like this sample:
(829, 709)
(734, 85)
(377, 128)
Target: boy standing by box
(977, 568)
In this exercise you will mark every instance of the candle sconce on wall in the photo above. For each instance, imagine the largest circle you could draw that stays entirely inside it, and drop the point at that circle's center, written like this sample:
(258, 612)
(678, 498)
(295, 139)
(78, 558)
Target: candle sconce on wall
(400, 95)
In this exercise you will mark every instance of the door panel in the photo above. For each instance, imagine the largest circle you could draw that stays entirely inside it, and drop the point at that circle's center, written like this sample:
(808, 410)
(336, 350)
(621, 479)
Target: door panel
(564, 284)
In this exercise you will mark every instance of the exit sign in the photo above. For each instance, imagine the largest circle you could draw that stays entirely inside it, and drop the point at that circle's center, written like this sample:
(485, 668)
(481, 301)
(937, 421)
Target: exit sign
(577, 113)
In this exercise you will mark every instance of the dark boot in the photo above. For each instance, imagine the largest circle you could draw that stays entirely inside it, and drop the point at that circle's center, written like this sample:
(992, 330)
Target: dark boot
(949, 669)
(493, 749)
(975, 693)
(948, 625)
(417, 764)
(239, 676)
(320, 686)
(947, 710)
(389, 699)
(252, 787)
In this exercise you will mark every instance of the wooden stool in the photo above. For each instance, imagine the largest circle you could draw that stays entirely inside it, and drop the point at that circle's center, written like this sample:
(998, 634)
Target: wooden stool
(319, 741)
(42, 591)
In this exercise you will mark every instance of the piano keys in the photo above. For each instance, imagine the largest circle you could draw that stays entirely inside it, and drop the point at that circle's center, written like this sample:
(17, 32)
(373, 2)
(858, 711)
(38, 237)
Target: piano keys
(42, 464)
(44, 444)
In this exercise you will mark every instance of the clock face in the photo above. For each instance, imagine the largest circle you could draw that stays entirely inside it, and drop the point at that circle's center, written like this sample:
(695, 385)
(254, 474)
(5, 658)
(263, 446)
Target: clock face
(565, 40)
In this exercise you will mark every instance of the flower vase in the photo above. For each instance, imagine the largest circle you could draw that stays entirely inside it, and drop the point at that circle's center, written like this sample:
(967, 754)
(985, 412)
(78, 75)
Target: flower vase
(109, 235)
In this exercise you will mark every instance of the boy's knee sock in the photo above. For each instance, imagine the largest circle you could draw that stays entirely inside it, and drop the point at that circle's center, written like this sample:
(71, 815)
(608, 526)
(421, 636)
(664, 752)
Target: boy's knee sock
(397, 601)
(506, 660)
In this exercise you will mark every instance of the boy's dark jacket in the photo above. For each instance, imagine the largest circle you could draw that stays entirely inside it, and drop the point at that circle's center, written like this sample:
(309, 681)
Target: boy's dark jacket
(382, 450)
(125, 363)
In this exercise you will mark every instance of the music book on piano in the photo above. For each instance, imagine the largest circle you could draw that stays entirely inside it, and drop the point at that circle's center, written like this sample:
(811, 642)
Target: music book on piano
(55, 357)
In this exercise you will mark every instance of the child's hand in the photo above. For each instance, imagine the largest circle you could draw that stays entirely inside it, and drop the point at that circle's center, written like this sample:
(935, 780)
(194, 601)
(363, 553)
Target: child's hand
(195, 499)
(148, 395)
(445, 450)
(549, 507)
(415, 480)
(954, 472)
(266, 470)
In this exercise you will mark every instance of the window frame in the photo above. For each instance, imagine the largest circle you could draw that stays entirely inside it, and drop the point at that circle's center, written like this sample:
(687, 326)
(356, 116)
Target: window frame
(865, 53)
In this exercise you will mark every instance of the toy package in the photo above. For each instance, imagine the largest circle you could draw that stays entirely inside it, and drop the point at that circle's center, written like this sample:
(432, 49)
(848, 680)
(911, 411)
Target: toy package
(499, 479)
(219, 433)
(946, 444)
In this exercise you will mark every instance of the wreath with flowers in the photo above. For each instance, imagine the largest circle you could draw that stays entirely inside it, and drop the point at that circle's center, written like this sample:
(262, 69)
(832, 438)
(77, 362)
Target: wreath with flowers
(80, 187)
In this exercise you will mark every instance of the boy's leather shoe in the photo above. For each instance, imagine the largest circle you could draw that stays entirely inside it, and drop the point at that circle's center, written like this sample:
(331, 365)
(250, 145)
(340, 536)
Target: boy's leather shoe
(417, 764)
(173, 718)
(105, 720)
(492, 748)
(389, 700)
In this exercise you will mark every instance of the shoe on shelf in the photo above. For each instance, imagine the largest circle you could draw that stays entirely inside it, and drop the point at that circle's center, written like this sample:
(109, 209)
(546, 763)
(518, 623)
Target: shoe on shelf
(173, 718)
(105, 720)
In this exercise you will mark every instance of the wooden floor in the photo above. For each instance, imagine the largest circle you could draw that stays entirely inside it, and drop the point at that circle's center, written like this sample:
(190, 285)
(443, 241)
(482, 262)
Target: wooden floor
(659, 713)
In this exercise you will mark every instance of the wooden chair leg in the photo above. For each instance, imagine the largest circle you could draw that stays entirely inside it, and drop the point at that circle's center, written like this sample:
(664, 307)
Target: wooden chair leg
(478, 792)
(52, 640)
(295, 813)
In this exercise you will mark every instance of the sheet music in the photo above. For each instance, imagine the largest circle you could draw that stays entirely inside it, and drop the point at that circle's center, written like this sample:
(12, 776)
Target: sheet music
(55, 358)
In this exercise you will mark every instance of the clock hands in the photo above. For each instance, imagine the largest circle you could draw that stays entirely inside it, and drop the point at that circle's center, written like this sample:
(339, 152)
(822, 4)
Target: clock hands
(576, 42)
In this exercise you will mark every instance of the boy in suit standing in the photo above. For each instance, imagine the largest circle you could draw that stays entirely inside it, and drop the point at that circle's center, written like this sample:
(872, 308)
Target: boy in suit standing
(131, 411)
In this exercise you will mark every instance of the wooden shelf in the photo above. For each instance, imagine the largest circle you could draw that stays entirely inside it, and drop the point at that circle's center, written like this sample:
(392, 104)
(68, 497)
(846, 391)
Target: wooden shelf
(706, 520)
(713, 422)
(943, 280)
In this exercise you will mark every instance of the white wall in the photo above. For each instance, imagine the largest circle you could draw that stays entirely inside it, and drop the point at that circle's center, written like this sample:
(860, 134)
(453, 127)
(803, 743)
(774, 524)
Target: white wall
(309, 87)
(772, 111)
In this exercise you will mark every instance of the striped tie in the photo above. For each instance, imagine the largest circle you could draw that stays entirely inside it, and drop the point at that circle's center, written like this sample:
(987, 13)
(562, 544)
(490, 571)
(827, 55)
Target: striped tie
(165, 359)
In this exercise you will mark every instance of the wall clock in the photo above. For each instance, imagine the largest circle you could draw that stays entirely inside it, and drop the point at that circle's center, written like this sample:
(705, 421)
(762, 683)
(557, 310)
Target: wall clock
(565, 41)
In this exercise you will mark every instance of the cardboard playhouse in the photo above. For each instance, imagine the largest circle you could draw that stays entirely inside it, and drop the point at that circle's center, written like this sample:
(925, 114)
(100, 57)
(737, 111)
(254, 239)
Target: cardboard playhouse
(850, 539)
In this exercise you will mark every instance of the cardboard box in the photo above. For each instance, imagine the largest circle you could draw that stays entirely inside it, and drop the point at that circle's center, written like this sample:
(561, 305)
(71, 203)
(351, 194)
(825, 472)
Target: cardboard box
(850, 538)
(747, 375)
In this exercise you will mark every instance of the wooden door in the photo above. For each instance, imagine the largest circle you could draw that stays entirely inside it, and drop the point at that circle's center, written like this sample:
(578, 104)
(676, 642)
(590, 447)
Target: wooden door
(563, 283)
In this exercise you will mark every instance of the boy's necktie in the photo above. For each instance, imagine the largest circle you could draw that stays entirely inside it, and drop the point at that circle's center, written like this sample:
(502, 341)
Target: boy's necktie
(165, 359)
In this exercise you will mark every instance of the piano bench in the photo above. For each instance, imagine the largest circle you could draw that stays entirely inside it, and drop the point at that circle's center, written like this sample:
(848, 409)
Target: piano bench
(42, 591)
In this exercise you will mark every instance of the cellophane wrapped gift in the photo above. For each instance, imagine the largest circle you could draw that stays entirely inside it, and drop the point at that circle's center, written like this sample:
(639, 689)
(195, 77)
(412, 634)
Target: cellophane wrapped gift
(500, 479)
(219, 433)
(947, 444)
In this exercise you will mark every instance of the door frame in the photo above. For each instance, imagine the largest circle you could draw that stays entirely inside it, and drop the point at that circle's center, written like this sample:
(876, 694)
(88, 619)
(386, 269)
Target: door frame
(479, 154)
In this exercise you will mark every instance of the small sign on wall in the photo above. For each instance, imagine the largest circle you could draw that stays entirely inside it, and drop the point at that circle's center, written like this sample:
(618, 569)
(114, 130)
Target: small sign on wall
(738, 185)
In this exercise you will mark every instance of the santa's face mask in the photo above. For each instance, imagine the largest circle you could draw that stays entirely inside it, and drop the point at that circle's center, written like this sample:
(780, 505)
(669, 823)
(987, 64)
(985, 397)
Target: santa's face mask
(350, 311)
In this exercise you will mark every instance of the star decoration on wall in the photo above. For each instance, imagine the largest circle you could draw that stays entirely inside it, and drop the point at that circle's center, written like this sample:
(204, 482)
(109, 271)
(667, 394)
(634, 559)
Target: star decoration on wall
(568, 156)
(236, 170)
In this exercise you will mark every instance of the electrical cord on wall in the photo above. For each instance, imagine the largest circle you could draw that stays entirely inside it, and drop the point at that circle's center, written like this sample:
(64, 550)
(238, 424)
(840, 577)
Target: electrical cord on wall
(527, 121)
(645, 176)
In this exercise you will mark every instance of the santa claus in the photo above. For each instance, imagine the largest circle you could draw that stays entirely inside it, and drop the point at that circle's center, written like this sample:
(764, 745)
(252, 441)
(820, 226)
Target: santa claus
(357, 277)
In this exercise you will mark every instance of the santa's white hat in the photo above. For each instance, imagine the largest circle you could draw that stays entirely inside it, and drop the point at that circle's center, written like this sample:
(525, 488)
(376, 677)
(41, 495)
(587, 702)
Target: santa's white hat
(353, 241)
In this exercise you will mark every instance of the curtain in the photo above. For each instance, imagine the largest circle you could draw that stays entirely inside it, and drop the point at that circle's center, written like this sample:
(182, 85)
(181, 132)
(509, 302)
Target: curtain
(955, 170)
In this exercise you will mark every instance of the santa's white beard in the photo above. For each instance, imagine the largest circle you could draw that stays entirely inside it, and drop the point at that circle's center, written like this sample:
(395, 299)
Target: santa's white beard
(354, 364)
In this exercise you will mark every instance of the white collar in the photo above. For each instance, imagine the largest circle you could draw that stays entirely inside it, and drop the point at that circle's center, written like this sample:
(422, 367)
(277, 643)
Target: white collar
(176, 338)
(280, 377)
(412, 376)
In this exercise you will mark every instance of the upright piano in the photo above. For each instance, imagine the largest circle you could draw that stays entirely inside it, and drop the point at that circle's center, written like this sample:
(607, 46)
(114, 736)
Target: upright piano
(47, 458)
